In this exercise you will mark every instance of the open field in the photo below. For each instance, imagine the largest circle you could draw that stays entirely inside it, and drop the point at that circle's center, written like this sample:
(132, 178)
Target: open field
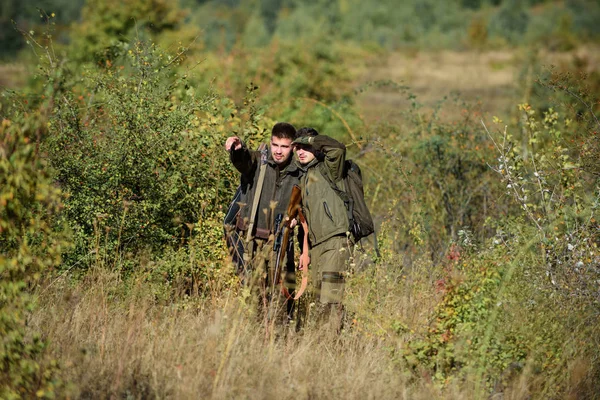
(499, 80)
(12, 75)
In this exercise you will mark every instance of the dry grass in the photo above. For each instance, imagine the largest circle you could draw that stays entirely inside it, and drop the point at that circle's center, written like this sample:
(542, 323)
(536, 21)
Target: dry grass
(12, 75)
(114, 341)
(490, 77)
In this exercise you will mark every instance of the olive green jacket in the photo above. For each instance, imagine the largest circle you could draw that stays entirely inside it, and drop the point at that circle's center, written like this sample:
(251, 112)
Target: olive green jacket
(277, 188)
(325, 211)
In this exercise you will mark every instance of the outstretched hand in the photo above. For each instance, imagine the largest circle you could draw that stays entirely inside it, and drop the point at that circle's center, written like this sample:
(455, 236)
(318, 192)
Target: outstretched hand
(233, 143)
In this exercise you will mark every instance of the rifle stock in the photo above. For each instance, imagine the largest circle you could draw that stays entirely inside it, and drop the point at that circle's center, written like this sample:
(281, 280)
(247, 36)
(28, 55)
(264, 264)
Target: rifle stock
(294, 211)
(294, 204)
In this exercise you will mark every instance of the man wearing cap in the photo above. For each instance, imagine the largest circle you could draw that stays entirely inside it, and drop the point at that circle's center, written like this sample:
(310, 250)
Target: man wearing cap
(321, 159)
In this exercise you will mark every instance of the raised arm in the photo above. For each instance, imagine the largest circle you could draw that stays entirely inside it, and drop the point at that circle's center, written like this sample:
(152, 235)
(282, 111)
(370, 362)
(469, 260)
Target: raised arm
(334, 151)
(242, 159)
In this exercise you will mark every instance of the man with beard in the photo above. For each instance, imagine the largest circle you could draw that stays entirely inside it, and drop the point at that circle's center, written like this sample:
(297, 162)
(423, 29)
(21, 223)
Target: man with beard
(267, 179)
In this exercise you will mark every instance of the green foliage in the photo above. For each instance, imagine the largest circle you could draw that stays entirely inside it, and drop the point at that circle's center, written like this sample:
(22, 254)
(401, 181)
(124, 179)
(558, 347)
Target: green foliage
(475, 4)
(577, 90)
(255, 33)
(477, 35)
(512, 305)
(29, 247)
(197, 269)
(10, 40)
(133, 146)
(441, 182)
(558, 198)
(386, 23)
(99, 26)
(285, 72)
(391, 24)
(107, 24)
(511, 20)
(450, 161)
(585, 14)
(30, 15)
(489, 241)
(459, 341)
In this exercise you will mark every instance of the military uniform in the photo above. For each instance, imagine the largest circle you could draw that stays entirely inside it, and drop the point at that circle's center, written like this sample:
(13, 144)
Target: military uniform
(327, 217)
(274, 198)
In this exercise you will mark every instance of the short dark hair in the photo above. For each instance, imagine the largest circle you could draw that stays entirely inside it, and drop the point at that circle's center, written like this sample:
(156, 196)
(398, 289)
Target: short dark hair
(306, 131)
(283, 130)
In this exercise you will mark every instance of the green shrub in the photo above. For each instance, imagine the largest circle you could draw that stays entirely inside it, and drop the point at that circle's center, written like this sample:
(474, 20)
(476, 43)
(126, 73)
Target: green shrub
(136, 151)
(107, 24)
(284, 71)
(524, 303)
(437, 181)
(511, 21)
(29, 248)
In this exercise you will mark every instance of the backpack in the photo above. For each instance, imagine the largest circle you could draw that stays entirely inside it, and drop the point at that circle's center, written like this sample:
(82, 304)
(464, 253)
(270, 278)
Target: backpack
(353, 195)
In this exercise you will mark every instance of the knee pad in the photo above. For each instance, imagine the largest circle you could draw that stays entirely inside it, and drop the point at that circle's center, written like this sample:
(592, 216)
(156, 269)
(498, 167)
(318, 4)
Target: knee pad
(332, 287)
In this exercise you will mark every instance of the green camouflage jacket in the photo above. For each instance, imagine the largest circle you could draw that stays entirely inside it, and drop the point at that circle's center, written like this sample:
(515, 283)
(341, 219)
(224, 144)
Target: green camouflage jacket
(325, 211)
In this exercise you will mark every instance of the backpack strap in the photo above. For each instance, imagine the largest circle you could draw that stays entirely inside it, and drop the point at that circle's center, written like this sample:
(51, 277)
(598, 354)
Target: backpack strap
(258, 191)
(343, 194)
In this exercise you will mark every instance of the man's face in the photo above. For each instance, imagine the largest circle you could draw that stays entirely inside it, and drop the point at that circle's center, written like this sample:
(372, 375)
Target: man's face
(305, 153)
(281, 149)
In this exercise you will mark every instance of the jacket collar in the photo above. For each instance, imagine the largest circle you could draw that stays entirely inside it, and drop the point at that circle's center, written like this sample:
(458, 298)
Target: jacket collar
(306, 167)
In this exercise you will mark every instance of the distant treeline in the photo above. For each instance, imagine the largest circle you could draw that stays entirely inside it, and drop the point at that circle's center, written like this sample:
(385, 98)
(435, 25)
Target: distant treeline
(454, 24)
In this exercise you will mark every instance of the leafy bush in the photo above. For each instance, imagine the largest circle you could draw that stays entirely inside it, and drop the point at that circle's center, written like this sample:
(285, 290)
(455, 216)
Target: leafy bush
(107, 24)
(511, 20)
(585, 14)
(133, 147)
(440, 183)
(518, 304)
(284, 71)
(29, 248)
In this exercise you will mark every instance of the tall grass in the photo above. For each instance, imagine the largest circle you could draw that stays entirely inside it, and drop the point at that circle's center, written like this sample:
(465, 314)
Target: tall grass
(113, 344)
(115, 339)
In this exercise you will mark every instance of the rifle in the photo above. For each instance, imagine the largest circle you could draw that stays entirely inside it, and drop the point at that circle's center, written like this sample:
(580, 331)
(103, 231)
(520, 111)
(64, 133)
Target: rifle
(274, 275)
(294, 211)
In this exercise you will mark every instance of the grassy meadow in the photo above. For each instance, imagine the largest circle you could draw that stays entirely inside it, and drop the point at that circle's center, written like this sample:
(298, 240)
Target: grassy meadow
(475, 125)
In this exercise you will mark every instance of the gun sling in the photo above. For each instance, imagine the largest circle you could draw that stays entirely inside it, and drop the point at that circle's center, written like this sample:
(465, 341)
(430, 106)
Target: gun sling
(254, 210)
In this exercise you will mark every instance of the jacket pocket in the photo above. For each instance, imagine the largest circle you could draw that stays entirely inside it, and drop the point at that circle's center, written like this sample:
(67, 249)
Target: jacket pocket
(327, 211)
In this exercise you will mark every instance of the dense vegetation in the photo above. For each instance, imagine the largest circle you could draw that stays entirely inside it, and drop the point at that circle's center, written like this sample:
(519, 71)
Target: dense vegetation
(114, 278)
(456, 24)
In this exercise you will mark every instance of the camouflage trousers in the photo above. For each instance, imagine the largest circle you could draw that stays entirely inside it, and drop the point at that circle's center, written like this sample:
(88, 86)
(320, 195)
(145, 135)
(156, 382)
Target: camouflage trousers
(329, 263)
(322, 306)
